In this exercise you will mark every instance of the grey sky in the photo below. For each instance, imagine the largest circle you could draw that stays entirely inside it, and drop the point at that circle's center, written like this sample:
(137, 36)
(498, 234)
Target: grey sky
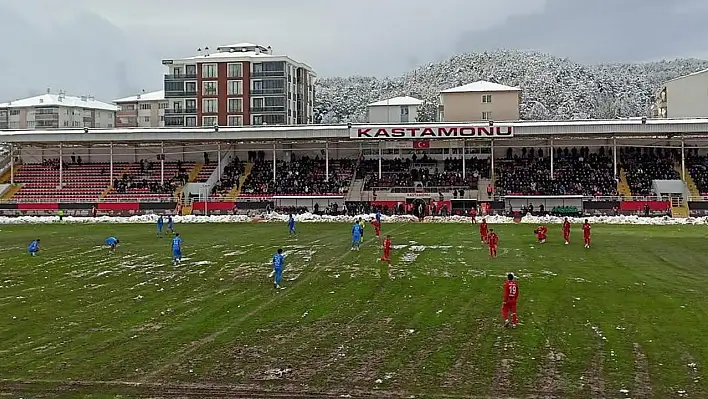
(109, 48)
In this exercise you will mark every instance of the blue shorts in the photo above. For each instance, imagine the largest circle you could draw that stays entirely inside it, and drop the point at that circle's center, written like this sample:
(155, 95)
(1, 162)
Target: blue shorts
(176, 253)
(159, 227)
(356, 239)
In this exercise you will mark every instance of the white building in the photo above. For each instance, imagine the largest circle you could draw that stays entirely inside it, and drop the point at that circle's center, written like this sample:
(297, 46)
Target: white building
(683, 97)
(238, 84)
(53, 111)
(394, 110)
(142, 110)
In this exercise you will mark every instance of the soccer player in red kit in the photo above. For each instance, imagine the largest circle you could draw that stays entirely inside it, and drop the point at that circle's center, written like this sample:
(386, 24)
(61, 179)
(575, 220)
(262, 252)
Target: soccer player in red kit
(566, 231)
(493, 241)
(541, 233)
(387, 250)
(586, 233)
(510, 296)
(377, 227)
(483, 231)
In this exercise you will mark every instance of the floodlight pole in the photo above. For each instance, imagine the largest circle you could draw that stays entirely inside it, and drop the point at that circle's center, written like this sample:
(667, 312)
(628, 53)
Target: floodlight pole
(218, 156)
(274, 171)
(380, 162)
(492, 164)
(614, 156)
(683, 160)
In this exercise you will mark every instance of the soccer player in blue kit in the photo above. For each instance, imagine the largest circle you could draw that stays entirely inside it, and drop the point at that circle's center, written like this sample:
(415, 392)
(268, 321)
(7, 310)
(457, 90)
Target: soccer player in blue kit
(160, 225)
(112, 243)
(278, 263)
(176, 249)
(356, 236)
(33, 248)
(170, 224)
(291, 226)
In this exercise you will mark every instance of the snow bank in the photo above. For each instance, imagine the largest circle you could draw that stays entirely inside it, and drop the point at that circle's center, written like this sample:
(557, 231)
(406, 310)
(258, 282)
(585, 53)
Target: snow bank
(310, 218)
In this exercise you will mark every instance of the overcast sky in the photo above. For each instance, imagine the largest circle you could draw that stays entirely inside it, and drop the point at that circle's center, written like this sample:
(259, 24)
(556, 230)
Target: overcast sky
(118, 44)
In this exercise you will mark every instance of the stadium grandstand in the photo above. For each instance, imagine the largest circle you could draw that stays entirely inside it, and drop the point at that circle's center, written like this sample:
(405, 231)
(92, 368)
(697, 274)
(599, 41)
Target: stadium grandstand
(627, 166)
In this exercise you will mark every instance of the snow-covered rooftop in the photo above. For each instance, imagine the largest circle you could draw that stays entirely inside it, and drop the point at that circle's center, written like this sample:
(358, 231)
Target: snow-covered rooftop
(59, 100)
(405, 100)
(689, 75)
(151, 96)
(481, 86)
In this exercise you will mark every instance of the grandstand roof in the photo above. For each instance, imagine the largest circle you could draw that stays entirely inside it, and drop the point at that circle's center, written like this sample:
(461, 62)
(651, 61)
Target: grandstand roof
(151, 96)
(528, 129)
(61, 101)
(481, 86)
(397, 101)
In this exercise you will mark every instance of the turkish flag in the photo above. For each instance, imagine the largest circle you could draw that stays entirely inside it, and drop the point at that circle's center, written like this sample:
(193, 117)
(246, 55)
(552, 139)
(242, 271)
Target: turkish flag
(421, 144)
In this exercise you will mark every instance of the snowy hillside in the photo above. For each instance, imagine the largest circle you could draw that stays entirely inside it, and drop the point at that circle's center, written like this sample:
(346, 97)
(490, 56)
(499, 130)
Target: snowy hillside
(553, 88)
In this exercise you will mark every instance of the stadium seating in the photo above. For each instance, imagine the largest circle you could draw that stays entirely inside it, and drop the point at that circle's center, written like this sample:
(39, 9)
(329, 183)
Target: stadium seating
(698, 168)
(305, 176)
(205, 172)
(642, 165)
(576, 172)
(80, 182)
(229, 178)
(409, 172)
(142, 181)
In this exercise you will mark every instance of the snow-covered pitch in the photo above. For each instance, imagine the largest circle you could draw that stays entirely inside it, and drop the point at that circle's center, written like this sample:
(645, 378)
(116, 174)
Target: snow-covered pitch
(311, 218)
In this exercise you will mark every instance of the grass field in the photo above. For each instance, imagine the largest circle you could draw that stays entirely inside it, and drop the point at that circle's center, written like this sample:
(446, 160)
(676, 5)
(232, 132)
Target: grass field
(624, 319)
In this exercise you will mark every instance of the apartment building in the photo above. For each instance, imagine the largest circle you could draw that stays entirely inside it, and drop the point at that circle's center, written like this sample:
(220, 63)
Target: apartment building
(480, 101)
(142, 110)
(54, 111)
(683, 97)
(394, 110)
(238, 84)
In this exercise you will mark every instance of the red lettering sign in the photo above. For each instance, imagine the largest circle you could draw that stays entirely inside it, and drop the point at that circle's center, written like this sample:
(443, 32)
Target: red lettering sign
(430, 131)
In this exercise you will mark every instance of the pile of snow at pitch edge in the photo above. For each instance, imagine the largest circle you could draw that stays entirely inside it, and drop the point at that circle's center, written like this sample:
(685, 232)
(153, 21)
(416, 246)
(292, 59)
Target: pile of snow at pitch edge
(310, 218)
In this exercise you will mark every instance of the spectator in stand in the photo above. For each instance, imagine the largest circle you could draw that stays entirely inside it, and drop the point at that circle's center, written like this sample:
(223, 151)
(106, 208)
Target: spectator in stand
(642, 165)
(306, 176)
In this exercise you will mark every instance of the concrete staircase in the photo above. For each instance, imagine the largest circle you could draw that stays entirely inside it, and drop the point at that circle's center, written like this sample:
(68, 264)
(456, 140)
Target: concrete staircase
(623, 186)
(195, 172)
(12, 190)
(690, 183)
(482, 189)
(236, 191)
(679, 208)
(5, 177)
(355, 189)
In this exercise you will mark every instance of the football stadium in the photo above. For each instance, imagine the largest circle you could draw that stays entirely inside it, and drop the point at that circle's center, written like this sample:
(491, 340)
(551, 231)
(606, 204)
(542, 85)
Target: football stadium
(183, 302)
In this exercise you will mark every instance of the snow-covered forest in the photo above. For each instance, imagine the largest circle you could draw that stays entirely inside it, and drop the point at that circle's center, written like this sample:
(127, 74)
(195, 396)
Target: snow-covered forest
(553, 87)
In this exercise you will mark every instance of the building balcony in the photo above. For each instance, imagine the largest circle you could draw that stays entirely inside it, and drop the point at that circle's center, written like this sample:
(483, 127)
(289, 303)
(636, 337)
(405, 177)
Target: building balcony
(182, 76)
(174, 121)
(181, 111)
(268, 92)
(46, 116)
(268, 74)
(180, 93)
(267, 110)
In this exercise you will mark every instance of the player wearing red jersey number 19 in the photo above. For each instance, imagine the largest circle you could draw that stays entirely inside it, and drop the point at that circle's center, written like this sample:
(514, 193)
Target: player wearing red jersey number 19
(510, 296)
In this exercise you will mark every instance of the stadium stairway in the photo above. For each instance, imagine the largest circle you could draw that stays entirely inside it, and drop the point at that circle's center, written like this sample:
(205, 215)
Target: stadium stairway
(236, 191)
(109, 189)
(5, 177)
(623, 185)
(690, 183)
(14, 188)
(195, 172)
(679, 208)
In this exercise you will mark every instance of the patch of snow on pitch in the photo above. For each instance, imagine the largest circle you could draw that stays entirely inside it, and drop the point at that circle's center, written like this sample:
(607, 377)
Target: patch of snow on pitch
(308, 217)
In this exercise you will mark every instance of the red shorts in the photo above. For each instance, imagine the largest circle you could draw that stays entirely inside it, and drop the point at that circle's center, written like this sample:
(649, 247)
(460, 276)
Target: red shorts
(509, 307)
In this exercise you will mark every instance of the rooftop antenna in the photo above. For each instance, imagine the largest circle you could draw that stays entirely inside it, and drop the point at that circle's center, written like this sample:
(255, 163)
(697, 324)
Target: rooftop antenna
(206, 51)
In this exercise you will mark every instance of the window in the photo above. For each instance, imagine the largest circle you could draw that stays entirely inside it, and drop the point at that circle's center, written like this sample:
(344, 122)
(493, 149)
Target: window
(190, 121)
(177, 71)
(163, 105)
(176, 105)
(235, 70)
(209, 71)
(235, 105)
(209, 89)
(210, 106)
(486, 98)
(162, 118)
(235, 87)
(235, 120)
(14, 112)
(190, 87)
(257, 119)
(404, 110)
(486, 116)
(191, 70)
(146, 119)
(209, 121)
(258, 102)
(190, 105)
(145, 106)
